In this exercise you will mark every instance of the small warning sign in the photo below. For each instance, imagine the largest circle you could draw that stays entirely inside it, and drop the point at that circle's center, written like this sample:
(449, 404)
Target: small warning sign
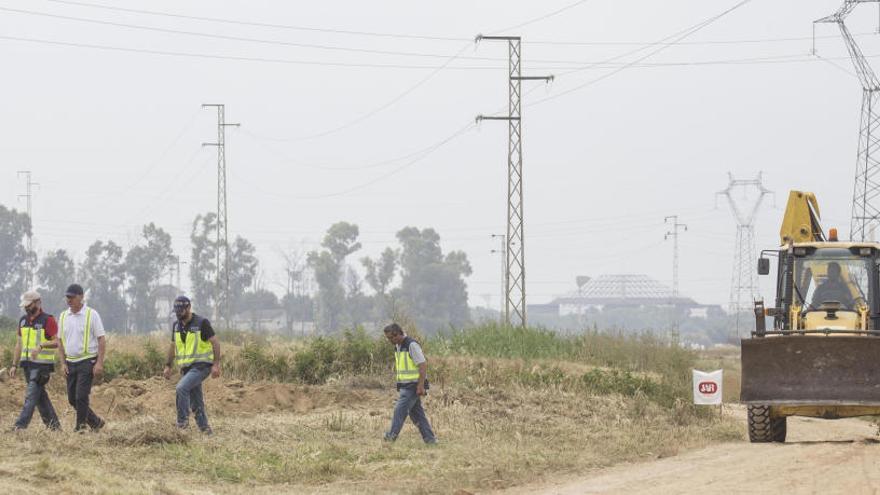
(707, 387)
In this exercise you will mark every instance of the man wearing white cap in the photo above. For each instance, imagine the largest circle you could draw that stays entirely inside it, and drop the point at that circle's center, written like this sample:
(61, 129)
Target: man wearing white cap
(35, 353)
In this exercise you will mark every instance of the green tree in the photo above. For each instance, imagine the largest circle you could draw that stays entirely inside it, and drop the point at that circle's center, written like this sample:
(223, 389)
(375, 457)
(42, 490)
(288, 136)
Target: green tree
(203, 262)
(432, 287)
(103, 274)
(380, 273)
(243, 266)
(146, 263)
(55, 273)
(297, 307)
(328, 266)
(15, 227)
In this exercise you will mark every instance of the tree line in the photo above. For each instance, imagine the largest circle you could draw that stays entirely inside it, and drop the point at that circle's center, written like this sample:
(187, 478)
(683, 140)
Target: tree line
(414, 279)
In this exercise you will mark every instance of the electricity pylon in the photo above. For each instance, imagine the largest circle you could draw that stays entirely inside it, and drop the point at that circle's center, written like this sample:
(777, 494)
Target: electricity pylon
(515, 278)
(744, 280)
(866, 190)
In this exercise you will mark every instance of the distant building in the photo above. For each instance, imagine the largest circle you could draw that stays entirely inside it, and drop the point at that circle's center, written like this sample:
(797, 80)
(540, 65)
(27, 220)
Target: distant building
(621, 291)
(271, 321)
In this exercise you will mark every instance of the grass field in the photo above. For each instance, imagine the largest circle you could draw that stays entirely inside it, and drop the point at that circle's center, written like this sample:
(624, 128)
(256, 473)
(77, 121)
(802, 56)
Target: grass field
(308, 417)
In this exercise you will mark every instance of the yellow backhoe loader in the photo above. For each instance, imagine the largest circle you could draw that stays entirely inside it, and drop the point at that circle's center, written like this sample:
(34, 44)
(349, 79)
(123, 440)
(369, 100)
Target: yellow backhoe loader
(821, 357)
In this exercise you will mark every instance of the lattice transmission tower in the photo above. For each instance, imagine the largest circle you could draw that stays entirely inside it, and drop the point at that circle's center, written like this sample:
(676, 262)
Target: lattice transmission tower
(866, 190)
(745, 207)
(515, 279)
(30, 264)
(674, 233)
(221, 287)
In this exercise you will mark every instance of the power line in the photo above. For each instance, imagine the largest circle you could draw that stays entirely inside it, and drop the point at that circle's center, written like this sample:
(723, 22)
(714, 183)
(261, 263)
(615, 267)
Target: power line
(688, 43)
(378, 34)
(258, 140)
(542, 17)
(226, 57)
(228, 37)
(436, 146)
(678, 37)
(259, 24)
(380, 108)
(601, 65)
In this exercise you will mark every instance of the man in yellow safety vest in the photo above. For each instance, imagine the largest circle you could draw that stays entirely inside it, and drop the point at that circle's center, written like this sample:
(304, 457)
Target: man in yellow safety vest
(411, 369)
(196, 351)
(81, 352)
(35, 353)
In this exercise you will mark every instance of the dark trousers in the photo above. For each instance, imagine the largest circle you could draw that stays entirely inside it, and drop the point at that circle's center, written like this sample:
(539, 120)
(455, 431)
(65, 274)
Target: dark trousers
(79, 386)
(37, 398)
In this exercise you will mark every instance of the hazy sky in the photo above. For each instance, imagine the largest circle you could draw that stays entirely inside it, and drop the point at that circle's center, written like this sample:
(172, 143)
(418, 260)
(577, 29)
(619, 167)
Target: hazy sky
(114, 137)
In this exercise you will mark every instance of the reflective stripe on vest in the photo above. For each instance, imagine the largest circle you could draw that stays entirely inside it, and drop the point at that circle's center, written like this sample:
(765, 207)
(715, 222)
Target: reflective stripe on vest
(84, 353)
(189, 348)
(30, 340)
(406, 368)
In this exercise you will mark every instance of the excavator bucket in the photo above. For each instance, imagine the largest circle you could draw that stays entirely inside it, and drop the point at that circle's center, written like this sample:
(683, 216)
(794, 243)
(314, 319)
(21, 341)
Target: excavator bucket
(811, 370)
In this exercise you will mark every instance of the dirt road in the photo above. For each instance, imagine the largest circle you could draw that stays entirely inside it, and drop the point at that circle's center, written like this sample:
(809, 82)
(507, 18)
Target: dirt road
(820, 457)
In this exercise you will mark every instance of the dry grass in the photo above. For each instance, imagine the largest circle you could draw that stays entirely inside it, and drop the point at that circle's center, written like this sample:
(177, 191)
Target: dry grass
(491, 437)
(500, 421)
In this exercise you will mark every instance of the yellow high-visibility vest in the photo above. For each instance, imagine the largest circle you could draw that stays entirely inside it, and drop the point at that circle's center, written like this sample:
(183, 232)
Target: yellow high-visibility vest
(87, 335)
(189, 347)
(32, 335)
(404, 366)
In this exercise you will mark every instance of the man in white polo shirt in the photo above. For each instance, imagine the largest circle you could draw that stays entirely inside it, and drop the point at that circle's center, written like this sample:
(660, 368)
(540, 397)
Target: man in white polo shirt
(82, 355)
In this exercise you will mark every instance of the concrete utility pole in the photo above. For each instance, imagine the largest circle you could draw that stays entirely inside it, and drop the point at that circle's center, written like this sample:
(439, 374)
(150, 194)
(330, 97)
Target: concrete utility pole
(504, 307)
(221, 288)
(28, 195)
(515, 279)
(744, 282)
(866, 191)
(674, 235)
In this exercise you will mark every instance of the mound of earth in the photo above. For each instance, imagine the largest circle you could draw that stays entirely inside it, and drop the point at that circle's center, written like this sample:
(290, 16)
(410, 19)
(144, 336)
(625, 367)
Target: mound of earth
(125, 398)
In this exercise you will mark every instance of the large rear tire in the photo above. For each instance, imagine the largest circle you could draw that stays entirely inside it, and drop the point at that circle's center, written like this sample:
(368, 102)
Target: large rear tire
(763, 428)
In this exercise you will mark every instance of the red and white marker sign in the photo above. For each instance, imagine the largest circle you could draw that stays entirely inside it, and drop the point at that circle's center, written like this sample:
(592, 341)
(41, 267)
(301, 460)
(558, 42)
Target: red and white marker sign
(707, 387)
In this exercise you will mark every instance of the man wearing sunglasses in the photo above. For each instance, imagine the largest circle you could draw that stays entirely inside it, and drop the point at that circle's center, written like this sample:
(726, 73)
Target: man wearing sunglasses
(82, 355)
(35, 352)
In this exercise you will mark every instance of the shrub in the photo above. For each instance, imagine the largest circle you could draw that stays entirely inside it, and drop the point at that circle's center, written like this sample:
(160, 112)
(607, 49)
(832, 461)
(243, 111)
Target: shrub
(132, 365)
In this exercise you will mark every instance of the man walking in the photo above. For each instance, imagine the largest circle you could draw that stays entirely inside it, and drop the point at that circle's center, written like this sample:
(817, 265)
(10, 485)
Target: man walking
(411, 369)
(196, 350)
(35, 352)
(81, 353)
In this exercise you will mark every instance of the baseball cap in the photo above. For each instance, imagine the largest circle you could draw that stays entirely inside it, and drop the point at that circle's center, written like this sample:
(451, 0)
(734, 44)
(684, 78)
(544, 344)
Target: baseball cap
(28, 298)
(74, 290)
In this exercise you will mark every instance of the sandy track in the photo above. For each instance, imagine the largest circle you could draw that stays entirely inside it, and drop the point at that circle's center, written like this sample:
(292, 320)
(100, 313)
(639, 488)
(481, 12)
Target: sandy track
(820, 456)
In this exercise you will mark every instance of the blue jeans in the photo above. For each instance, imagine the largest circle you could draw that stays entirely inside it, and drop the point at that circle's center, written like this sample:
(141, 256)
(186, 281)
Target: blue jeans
(410, 404)
(37, 398)
(189, 394)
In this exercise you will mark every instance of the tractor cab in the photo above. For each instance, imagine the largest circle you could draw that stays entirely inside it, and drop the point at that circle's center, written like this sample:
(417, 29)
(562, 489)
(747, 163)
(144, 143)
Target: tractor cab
(827, 287)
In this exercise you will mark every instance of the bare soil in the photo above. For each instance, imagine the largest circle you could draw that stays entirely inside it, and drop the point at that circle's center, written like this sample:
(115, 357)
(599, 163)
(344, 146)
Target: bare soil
(819, 456)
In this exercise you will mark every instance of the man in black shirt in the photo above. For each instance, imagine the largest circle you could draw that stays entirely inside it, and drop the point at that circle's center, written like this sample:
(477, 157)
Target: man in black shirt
(195, 349)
